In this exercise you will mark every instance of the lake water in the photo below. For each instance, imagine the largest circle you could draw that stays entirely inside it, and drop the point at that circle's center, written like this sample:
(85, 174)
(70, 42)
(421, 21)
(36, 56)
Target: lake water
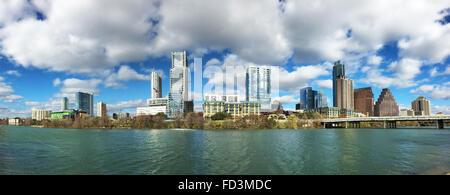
(25, 150)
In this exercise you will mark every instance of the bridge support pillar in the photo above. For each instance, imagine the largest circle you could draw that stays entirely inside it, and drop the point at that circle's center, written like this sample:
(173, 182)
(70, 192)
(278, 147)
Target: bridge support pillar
(440, 124)
(384, 124)
(346, 124)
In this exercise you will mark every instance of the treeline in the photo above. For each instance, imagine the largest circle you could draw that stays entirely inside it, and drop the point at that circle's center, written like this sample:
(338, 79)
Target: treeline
(190, 121)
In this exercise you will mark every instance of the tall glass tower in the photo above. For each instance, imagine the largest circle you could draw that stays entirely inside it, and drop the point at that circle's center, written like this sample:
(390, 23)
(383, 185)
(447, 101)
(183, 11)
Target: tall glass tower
(338, 71)
(156, 85)
(258, 86)
(64, 103)
(84, 102)
(178, 84)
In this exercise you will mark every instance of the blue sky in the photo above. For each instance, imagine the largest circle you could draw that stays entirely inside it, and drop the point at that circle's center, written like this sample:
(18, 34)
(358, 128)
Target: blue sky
(50, 49)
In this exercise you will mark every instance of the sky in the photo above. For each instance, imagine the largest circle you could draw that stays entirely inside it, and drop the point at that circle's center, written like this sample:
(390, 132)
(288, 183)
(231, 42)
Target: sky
(51, 49)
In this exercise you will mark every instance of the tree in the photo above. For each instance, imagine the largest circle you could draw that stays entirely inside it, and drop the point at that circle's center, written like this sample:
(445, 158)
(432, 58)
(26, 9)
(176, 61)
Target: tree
(221, 116)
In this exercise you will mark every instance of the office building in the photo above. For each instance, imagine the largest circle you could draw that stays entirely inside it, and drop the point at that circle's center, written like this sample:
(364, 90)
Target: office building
(156, 85)
(338, 71)
(364, 101)
(229, 104)
(65, 104)
(178, 93)
(333, 112)
(121, 115)
(386, 105)
(101, 109)
(258, 88)
(40, 114)
(84, 102)
(344, 92)
(406, 112)
(150, 110)
(421, 106)
(14, 121)
(320, 99)
(306, 98)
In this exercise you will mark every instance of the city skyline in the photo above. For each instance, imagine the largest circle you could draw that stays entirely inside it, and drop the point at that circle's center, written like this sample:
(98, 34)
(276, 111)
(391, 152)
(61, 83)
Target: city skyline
(377, 56)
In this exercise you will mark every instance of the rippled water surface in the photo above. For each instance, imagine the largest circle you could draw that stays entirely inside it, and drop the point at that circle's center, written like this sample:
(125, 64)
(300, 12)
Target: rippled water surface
(25, 150)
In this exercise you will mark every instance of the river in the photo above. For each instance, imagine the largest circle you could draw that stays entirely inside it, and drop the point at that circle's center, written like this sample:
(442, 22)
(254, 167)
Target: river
(28, 150)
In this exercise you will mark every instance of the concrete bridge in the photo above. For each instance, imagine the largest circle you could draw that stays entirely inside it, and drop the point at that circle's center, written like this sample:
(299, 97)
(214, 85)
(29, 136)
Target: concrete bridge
(388, 121)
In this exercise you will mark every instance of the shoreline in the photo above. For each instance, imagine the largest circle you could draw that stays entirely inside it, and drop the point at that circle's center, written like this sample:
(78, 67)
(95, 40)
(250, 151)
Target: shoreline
(249, 129)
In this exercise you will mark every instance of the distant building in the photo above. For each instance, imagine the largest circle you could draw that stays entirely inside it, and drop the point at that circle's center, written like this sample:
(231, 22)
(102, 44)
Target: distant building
(320, 99)
(258, 87)
(123, 115)
(276, 105)
(67, 114)
(334, 112)
(338, 71)
(178, 85)
(101, 109)
(364, 101)
(406, 112)
(65, 104)
(298, 106)
(115, 116)
(344, 92)
(188, 106)
(440, 114)
(14, 121)
(386, 105)
(150, 110)
(40, 114)
(156, 85)
(311, 99)
(421, 106)
(229, 104)
(84, 102)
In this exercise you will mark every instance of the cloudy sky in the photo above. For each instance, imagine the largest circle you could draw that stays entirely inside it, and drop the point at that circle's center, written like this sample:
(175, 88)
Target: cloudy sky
(51, 48)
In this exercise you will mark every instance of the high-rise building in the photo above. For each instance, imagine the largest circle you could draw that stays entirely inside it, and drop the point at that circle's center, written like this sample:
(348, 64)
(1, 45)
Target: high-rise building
(406, 112)
(338, 71)
(421, 106)
(342, 87)
(84, 102)
(178, 85)
(386, 105)
(101, 109)
(306, 98)
(258, 88)
(156, 85)
(364, 101)
(320, 99)
(344, 93)
(40, 114)
(65, 104)
(311, 99)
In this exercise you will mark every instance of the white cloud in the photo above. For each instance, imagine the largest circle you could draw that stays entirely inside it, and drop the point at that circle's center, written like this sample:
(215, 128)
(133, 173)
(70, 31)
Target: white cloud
(56, 82)
(374, 60)
(434, 91)
(326, 84)
(443, 108)
(126, 105)
(13, 72)
(7, 92)
(125, 73)
(287, 99)
(434, 71)
(83, 36)
(403, 74)
(72, 85)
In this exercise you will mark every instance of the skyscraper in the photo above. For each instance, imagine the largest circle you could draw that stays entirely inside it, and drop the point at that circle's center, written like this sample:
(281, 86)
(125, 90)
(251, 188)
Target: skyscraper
(156, 85)
(258, 86)
(338, 70)
(344, 92)
(101, 109)
(364, 101)
(320, 100)
(311, 99)
(386, 105)
(64, 103)
(84, 102)
(178, 84)
(307, 98)
(421, 106)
